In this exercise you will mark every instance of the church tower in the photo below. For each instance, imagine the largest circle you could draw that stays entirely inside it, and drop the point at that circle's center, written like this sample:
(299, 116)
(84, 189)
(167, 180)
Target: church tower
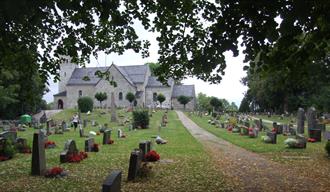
(66, 70)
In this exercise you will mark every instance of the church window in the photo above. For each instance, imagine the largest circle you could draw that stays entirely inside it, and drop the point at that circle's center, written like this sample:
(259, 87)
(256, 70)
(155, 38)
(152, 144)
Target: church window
(120, 96)
(80, 93)
(154, 97)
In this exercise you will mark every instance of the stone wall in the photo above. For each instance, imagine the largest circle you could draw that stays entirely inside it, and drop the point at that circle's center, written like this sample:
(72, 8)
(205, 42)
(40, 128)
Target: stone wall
(73, 94)
(166, 91)
(123, 86)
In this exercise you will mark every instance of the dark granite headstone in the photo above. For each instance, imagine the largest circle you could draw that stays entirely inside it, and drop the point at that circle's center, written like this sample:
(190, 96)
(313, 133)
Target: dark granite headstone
(38, 156)
(106, 137)
(311, 118)
(89, 144)
(272, 136)
(145, 147)
(315, 134)
(113, 182)
(300, 121)
(69, 148)
(134, 164)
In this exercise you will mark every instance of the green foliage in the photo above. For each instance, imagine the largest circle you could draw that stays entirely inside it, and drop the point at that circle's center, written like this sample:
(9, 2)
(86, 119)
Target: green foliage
(9, 149)
(161, 98)
(153, 67)
(245, 104)
(101, 96)
(85, 104)
(130, 97)
(327, 148)
(203, 102)
(215, 103)
(183, 100)
(140, 119)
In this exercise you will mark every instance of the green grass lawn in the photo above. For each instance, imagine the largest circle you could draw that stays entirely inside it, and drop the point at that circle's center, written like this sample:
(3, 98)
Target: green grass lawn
(256, 144)
(189, 167)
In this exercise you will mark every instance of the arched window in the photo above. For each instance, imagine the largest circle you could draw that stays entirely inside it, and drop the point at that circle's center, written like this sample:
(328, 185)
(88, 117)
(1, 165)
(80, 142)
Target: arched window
(60, 104)
(120, 96)
(80, 93)
(154, 97)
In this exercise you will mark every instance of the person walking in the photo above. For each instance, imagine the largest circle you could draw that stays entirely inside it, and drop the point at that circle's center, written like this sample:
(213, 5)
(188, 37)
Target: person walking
(75, 121)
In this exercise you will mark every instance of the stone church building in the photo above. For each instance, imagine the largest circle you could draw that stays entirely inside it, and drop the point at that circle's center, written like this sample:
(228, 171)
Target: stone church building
(76, 82)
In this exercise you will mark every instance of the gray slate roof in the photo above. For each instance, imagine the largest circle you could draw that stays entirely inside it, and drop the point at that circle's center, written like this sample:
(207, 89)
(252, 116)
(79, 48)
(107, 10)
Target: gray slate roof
(153, 82)
(186, 90)
(133, 73)
(63, 93)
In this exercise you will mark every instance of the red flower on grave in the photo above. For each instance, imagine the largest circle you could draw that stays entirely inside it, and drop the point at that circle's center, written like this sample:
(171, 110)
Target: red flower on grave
(3, 158)
(312, 140)
(50, 144)
(83, 155)
(274, 130)
(55, 171)
(152, 156)
(110, 141)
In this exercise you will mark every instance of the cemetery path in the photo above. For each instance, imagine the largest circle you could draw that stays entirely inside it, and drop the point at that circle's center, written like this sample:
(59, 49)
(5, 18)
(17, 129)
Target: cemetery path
(246, 170)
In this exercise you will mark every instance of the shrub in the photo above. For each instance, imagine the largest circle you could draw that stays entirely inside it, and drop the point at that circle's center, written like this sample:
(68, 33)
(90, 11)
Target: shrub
(85, 104)
(327, 148)
(140, 119)
(9, 149)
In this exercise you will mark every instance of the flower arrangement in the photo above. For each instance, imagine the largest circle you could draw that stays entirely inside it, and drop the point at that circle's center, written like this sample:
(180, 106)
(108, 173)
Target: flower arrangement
(110, 141)
(3, 158)
(152, 156)
(95, 147)
(312, 140)
(55, 172)
(77, 157)
(50, 144)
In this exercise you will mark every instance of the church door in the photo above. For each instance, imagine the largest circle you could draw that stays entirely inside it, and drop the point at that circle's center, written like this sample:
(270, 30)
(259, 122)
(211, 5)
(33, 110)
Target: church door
(60, 104)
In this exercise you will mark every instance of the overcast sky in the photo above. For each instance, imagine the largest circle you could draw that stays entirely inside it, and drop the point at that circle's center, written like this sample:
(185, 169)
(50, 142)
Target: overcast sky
(230, 87)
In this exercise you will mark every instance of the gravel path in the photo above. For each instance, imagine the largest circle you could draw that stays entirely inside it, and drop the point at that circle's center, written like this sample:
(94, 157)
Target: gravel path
(246, 170)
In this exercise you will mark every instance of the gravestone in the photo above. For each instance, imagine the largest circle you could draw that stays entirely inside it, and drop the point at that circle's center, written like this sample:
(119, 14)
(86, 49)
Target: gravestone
(43, 135)
(113, 182)
(64, 126)
(311, 118)
(300, 121)
(21, 143)
(93, 123)
(272, 136)
(315, 134)
(85, 123)
(134, 164)
(113, 108)
(119, 133)
(145, 147)
(38, 166)
(106, 137)
(89, 144)
(11, 135)
(286, 130)
(81, 132)
(69, 149)
(279, 129)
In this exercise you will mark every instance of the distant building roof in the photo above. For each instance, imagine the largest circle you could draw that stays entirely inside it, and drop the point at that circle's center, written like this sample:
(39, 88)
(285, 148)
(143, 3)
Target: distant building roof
(153, 82)
(186, 90)
(63, 94)
(133, 73)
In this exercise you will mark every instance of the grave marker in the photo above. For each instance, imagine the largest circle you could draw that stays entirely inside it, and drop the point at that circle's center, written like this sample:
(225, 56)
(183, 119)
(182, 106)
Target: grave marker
(89, 144)
(145, 147)
(69, 149)
(272, 136)
(311, 118)
(134, 164)
(106, 137)
(11, 135)
(113, 182)
(38, 166)
(300, 121)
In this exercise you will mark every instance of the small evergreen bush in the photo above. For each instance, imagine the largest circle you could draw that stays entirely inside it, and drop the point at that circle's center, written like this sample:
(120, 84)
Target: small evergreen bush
(140, 119)
(85, 104)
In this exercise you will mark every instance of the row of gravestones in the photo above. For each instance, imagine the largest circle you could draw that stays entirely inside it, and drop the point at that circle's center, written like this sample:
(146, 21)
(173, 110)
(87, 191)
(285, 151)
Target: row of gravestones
(19, 143)
(38, 167)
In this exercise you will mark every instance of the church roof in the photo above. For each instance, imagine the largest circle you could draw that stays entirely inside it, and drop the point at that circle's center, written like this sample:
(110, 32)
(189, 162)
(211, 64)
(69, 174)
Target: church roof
(133, 73)
(186, 90)
(63, 93)
(153, 82)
